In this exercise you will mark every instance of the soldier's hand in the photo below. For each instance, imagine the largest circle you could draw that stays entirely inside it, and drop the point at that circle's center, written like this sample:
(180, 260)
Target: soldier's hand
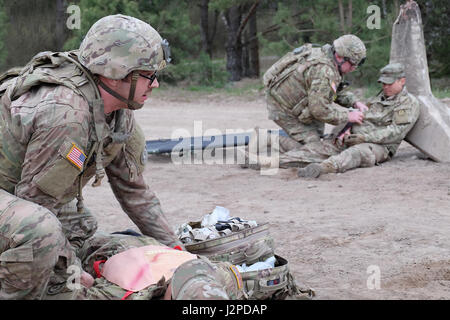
(344, 134)
(86, 279)
(361, 106)
(355, 117)
(353, 139)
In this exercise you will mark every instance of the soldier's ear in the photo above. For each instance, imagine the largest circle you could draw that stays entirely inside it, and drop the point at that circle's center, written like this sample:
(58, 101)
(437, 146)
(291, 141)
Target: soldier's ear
(403, 81)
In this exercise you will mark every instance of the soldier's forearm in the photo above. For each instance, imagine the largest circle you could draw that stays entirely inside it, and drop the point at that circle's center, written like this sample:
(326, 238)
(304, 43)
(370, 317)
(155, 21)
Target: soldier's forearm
(387, 135)
(330, 113)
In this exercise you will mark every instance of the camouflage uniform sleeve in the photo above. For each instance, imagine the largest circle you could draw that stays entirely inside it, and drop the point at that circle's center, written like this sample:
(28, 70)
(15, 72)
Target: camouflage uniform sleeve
(131, 190)
(321, 96)
(404, 117)
(52, 132)
(346, 98)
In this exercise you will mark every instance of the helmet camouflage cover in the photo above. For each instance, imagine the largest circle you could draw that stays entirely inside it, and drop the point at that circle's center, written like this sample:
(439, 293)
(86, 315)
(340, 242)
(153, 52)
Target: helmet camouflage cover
(199, 279)
(116, 45)
(351, 47)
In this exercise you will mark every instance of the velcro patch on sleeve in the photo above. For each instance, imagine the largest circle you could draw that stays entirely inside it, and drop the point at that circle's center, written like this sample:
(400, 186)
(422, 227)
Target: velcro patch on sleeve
(76, 156)
(401, 116)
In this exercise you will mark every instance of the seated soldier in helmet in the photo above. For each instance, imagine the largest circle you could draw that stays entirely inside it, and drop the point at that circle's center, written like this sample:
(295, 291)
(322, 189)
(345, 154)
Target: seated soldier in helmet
(304, 95)
(391, 115)
(66, 118)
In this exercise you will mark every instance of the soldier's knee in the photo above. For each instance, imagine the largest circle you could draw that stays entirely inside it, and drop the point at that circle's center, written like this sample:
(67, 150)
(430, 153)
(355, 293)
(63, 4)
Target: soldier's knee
(33, 226)
(366, 155)
(34, 242)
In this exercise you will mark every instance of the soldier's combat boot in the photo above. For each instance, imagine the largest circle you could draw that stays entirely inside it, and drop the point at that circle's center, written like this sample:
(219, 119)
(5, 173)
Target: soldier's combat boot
(314, 170)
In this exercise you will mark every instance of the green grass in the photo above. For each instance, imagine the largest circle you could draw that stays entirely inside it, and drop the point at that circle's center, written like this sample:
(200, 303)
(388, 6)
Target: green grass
(441, 93)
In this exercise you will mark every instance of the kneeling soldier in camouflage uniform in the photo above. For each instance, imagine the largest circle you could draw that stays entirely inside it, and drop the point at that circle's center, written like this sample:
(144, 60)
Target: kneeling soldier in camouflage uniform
(65, 118)
(304, 90)
(390, 117)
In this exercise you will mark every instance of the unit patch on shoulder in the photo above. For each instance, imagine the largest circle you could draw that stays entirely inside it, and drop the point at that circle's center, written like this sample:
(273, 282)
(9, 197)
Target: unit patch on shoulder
(76, 156)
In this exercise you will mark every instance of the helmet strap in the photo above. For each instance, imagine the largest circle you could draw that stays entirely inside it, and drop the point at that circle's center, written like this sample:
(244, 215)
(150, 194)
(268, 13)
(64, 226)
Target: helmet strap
(339, 64)
(133, 105)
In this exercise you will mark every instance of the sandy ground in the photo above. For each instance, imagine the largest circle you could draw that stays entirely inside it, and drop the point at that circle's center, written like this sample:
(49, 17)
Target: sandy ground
(372, 233)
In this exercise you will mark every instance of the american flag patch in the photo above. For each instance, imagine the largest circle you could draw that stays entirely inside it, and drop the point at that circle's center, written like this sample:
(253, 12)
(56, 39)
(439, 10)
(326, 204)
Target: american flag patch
(237, 275)
(333, 86)
(76, 156)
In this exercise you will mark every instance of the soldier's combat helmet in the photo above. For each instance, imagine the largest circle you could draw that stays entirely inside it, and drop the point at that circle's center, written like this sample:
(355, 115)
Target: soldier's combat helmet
(351, 48)
(118, 45)
(199, 279)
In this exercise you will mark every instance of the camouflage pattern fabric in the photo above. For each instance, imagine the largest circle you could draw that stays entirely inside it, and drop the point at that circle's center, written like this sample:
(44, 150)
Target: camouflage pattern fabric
(276, 283)
(38, 131)
(32, 248)
(101, 247)
(385, 125)
(220, 282)
(116, 45)
(204, 280)
(351, 47)
(306, 98)
(390, 73)
(55, 137)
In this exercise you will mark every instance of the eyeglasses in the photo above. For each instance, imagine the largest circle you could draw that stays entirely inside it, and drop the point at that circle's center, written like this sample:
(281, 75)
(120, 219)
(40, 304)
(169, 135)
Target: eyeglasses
(151, 78)
(354, 64)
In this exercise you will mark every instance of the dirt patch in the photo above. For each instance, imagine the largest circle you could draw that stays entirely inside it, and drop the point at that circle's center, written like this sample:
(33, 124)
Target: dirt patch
(334, 230)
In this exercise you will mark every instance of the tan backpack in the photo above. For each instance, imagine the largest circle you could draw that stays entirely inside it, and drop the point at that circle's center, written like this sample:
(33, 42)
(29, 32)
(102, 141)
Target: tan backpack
(286, 65)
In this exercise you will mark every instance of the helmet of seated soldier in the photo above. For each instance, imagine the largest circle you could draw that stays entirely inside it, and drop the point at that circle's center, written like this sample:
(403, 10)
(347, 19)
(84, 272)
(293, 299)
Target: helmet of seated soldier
(200, 279)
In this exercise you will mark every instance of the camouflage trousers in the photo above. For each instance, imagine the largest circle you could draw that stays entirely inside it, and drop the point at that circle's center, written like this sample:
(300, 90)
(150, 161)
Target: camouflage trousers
(303, 132)
(33, 248)
(42, 255)
(340, 158)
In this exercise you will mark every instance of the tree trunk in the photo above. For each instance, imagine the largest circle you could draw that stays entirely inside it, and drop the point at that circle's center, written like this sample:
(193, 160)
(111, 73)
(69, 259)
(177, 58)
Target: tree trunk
(233, 46)
(204, 27)
(396, 7)
(60, 34)
(384, 10)
(245, 56)
(253, 48)
(245, 43)
(350, 15)
(342, 17)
